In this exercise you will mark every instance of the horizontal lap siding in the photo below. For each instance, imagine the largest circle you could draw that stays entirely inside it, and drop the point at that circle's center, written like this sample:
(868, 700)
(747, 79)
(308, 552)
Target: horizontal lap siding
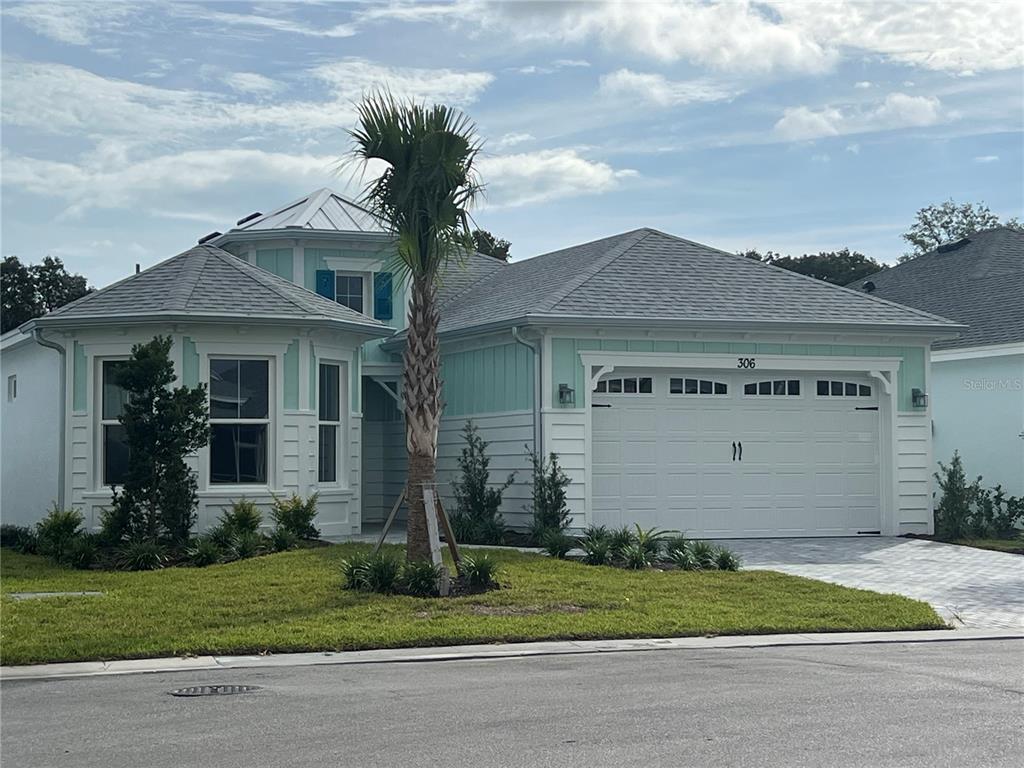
(384, 468)
(913, 474)
(565, 434)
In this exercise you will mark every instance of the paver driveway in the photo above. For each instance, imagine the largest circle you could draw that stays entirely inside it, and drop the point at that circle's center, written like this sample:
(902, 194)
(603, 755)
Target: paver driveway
(969, 587)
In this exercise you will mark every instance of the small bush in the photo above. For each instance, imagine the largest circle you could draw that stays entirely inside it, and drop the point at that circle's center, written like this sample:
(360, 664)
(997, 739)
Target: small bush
(57, 530)
(420, 578)
(141, 555)
(296, 515)
(246, 544)
(282, 540)
(651, 540)
(204, 551)
(480, 570)
(371, 573)
(637, 557)
(682, 558)
(726, 560)
(557, 544)
(20, 538)
(676, 542)
(476, 519)
(243, 517)
(81, 551)
(621, 539)
(596, 550)
(703, 555)
(352, 569)
(549, 508)
(967, 510)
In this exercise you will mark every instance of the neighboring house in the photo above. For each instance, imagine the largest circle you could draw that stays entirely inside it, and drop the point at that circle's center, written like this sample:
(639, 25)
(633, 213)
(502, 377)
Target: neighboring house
(679, 385)
(977, 380)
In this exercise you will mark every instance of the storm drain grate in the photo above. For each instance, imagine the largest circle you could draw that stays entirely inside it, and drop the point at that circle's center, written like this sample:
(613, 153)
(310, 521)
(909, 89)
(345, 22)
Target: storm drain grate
(214, 690)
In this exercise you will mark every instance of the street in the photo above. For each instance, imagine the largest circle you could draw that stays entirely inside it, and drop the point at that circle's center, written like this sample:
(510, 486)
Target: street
(924, 704)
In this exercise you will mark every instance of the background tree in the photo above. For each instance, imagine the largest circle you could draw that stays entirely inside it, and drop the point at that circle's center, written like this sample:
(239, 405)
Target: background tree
(423, 196)
(163, 426)
(949, 221)
(840, 267)
(489, 245)
(32, 290)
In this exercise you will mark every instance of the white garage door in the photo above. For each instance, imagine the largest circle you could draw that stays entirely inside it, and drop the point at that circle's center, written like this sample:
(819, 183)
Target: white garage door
(734, 455)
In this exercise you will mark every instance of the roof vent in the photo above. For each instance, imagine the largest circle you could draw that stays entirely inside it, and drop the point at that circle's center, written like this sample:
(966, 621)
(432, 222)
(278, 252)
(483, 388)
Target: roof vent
(209, 237)
(250, 217)
(953, 246)
(869, 287)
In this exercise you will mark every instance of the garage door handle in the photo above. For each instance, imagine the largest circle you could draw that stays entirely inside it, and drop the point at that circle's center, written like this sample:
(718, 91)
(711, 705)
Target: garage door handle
(741, 450)
(734, 450)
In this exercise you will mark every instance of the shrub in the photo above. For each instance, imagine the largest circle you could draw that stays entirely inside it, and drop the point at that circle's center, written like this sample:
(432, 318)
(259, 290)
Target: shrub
(352, 569)
(557, 544)
(637, 557)
(703, 555)
(954, 511)
(20, 538)
(682, 558)
(597, 549)
(56, 531)
(244, 516)
(676, 542)
(726, 560)
(371, 573)
(204, 551)
(549, 508)
(296, 515)
(81, 551)
(651, 540)
(420, 578)
(282, 540)
(480, 570)
(476, 519)
(246, 544)
(997, 514)
(141, 555)
(621, 539)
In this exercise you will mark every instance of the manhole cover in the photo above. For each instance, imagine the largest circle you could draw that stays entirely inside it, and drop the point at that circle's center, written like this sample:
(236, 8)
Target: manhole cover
(214, 690)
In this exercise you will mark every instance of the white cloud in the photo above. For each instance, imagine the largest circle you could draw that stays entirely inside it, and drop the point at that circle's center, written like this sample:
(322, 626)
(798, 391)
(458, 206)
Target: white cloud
(853, 149)
(863, 84)
(987, 159)
(537, 177)
(350, 78)
(74, 23)
(252, 83)
(564, 63)
(659, 90)
(898, 110)
(512, 139)
(269, 23)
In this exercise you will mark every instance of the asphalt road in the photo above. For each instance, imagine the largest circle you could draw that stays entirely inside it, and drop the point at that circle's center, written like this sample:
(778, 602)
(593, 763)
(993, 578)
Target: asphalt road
(930, 704)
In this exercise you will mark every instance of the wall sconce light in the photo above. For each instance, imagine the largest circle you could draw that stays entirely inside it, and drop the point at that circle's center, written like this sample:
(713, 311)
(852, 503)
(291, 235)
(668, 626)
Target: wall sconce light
(918, 399)
(566, 395)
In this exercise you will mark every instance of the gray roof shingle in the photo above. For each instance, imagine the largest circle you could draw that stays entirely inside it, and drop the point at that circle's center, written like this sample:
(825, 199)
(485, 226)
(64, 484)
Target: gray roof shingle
(980, 283)
(649, 275)
(207, 282)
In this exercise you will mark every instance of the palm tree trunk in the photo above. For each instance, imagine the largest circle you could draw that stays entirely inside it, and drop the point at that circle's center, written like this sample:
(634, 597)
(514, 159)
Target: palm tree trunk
(421, 382)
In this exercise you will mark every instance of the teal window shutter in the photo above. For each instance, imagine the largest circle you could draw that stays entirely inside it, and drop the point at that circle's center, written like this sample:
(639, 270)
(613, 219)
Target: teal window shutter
(325, 283)
(382, 309)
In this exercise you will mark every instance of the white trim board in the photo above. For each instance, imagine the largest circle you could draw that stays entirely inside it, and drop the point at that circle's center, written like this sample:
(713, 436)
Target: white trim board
(971, 353)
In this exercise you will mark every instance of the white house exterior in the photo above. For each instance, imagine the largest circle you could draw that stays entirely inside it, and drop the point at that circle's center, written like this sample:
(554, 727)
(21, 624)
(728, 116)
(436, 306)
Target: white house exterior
(679, 386)
(977, 380)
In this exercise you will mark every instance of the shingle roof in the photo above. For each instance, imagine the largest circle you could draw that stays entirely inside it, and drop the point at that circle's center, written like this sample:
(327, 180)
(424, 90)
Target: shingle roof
(646, 275)
(206, 282)
(979, 282)
(322, 210)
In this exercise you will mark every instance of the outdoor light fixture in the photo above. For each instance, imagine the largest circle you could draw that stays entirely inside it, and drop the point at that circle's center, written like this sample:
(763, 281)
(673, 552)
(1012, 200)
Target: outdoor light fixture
(918, 398)
(566, 395)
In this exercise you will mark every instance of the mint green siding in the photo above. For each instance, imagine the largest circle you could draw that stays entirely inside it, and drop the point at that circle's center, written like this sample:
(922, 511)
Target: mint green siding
(489, 380)
(312, 260)
(80, 385)
(291, 376)
(566, 367)
(189, 362)
(277, 260)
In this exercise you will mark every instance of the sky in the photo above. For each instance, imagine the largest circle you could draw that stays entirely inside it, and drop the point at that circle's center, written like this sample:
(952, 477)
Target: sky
(129, 130)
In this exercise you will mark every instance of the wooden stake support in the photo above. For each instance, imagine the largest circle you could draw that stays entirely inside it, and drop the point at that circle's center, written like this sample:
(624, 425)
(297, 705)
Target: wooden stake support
(390, 521)
(430, 500)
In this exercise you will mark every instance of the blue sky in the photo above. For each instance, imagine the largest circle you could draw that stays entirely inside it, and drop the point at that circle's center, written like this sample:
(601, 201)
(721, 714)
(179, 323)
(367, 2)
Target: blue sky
(131, 129)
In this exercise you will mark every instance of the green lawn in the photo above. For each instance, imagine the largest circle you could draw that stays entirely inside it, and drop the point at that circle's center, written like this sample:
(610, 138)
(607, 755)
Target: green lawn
(1015, 546)
(294, 602)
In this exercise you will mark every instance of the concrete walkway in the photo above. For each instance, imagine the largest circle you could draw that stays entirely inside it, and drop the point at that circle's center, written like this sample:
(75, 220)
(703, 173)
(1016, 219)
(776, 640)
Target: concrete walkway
(973, 588)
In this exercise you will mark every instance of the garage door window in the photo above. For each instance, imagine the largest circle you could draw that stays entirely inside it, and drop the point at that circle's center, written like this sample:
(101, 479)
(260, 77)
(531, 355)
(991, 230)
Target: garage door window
(631, 385)
(829, 388)
(698, 387)
(774, 388)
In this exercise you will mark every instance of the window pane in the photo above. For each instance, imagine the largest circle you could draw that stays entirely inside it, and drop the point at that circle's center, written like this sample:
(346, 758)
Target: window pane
(822, 387)
(330, 393)
(328, 465)
(646, 385)
(764, 388)
(115, 454)
(223, 389)
(254, 389)
(615, 385)
(837, 388)
(793, 387)
(721, 388)
(691, 386)
(865, 390)
(349, 291)
(675, 386)
(851, 389)
(705, 387)
(602, 386)
(750, 389)
(238, 453)
(114, 398)
(629, 386)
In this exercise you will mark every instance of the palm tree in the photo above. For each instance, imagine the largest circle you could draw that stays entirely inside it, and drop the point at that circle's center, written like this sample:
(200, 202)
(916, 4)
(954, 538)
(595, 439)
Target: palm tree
(424, 195)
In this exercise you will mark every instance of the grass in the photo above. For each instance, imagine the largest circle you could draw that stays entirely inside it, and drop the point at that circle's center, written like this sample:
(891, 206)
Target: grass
(293, 601)
(1014, 546)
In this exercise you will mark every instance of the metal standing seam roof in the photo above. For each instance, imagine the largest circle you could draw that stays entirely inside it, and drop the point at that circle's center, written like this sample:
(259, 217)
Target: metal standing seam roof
(322, 210)
(649, 275)
(978, 281)
(206, 282)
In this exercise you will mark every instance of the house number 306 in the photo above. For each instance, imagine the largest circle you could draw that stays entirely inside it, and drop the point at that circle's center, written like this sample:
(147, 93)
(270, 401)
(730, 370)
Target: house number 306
(746, 362)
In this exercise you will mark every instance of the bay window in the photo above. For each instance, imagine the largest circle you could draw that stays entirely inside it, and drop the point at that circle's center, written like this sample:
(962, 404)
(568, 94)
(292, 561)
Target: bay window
(329, 417)
(239, 420)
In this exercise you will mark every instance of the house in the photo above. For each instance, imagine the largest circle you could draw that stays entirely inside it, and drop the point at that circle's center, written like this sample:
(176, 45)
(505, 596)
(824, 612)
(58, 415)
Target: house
(977, 380)
(679, 385)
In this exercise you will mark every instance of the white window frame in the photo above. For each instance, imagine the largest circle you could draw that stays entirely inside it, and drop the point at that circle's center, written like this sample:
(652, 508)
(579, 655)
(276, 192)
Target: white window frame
(367, 278)
(102, 423)
(771, 395)
(699, 378)
(858, 397)
(638, 393)
(268, 421)
(339, 425)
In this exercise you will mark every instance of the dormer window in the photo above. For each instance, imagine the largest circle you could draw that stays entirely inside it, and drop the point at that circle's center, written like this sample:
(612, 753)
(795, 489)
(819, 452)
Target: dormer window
(348, 290)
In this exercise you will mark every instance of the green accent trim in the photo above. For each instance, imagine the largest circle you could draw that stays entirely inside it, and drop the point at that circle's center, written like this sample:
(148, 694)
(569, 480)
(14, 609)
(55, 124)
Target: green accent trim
(314, 373)
(80, 388)
(277, 260)
(189, 362)
(291, 376)
(493, 379)
(566, 367)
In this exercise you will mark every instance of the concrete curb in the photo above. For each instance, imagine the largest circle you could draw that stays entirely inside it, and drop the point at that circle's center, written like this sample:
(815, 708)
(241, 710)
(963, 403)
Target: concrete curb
(495, 651)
